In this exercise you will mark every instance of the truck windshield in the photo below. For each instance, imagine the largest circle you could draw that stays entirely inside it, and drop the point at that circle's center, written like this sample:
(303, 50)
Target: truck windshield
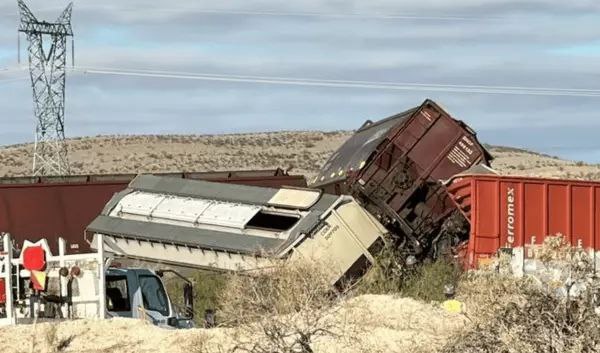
(153, 295)
(117, 294)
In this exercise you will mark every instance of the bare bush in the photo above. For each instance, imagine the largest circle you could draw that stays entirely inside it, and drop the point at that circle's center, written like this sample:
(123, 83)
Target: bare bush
(544, 323)
(553, 310)
(284, 310)
(49, 340)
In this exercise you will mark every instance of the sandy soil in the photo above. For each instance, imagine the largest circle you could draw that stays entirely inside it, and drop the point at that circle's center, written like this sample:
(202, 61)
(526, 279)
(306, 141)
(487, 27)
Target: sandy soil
(388, 324)
(303, 152)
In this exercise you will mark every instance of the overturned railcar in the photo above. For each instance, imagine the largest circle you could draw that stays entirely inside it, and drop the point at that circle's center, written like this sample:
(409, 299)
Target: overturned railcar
(34, 208)
(393, 167)
(231, 227)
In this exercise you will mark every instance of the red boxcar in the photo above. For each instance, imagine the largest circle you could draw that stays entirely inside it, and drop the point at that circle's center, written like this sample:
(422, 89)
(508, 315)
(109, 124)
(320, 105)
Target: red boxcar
(394, 167)
(51, 207)
(518, 212)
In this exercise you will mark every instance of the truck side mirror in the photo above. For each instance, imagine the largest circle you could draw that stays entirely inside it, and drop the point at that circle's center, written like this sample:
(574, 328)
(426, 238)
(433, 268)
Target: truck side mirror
(209, 318)
(172, 321)
(188, 299)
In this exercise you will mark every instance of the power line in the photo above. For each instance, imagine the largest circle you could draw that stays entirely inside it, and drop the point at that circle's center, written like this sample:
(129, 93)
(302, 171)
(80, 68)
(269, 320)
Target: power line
(8, 80)
(11, 69)
(356, 15)
(337, 81)
(432, 87)
(269, 13)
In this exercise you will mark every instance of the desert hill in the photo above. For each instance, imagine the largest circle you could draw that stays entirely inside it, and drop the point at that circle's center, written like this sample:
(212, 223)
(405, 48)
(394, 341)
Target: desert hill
(303, 152)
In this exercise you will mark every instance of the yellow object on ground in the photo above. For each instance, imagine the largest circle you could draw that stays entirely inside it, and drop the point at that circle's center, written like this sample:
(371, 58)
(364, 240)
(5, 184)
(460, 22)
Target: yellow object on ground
(453, 306)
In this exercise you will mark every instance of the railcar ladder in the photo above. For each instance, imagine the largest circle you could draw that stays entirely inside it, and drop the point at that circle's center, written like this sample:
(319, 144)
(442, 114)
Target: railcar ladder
(6, 276)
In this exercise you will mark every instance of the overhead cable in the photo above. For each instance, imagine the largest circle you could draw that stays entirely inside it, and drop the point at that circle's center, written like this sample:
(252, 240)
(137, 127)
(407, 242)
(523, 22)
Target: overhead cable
(405, 86)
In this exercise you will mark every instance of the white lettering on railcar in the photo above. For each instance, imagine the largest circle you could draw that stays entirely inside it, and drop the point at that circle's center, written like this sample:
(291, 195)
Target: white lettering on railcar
(461, 154)
(426, 115)
(510, 215)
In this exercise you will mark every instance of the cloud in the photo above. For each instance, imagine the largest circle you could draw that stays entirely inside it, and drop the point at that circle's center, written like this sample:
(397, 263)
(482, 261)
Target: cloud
(541, 43)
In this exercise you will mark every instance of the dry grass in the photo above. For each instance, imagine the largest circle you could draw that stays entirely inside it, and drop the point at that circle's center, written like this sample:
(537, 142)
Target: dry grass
(528, 320)
(535, 314)
(302, 151)
(283, 310)
(294, 309)
(382, 323)
(514, 161)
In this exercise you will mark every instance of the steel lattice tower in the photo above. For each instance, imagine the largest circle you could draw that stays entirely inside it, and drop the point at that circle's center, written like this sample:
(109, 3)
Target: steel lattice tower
(47, 70)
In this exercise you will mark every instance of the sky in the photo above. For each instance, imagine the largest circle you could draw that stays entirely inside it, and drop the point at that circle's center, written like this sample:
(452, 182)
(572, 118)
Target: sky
(513, 43)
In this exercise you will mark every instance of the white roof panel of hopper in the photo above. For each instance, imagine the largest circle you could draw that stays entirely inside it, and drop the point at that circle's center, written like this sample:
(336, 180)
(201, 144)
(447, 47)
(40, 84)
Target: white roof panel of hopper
(138, 203)
(295, 198)
(162, 208)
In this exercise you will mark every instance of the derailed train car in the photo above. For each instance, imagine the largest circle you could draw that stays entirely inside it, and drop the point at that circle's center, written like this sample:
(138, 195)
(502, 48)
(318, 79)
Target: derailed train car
(227, 227)
(394, 166)
(33, 208)
(515, 214)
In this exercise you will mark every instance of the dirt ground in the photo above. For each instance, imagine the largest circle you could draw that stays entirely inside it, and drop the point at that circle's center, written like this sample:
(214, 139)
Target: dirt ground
(386, 324)
(302, 152)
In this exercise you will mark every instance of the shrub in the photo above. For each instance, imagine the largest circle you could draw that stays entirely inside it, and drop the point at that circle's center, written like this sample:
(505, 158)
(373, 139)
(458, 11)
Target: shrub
(539, 313)
(543, 323)
(428, 282)
(424, 281)
(386, 275)
(282, 310)
(208, 287)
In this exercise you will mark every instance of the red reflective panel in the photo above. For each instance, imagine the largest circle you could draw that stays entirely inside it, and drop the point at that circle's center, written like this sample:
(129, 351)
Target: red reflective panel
(2, 291)
(34, 258)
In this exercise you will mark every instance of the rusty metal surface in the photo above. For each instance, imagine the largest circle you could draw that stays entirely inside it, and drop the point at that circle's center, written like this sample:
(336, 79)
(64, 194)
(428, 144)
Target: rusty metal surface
(400, 183)
(33, 207)
(402, 160)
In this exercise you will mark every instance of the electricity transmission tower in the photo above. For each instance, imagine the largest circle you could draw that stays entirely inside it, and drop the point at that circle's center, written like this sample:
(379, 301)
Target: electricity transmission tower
(47, 71)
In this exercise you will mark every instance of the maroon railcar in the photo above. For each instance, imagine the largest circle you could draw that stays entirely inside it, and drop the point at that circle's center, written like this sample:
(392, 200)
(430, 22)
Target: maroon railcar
(394, 168)
(50, 207)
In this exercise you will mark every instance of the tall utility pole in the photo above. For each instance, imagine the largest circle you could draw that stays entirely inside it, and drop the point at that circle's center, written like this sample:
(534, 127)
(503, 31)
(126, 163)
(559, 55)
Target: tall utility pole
(47, 70)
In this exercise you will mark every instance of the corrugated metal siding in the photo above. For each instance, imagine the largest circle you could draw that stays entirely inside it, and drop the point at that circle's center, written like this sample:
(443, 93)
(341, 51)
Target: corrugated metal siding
(352, 155)
(519, 211)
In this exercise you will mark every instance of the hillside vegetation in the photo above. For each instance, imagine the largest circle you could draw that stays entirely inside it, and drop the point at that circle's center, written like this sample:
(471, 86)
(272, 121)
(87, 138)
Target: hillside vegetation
(302, 152)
